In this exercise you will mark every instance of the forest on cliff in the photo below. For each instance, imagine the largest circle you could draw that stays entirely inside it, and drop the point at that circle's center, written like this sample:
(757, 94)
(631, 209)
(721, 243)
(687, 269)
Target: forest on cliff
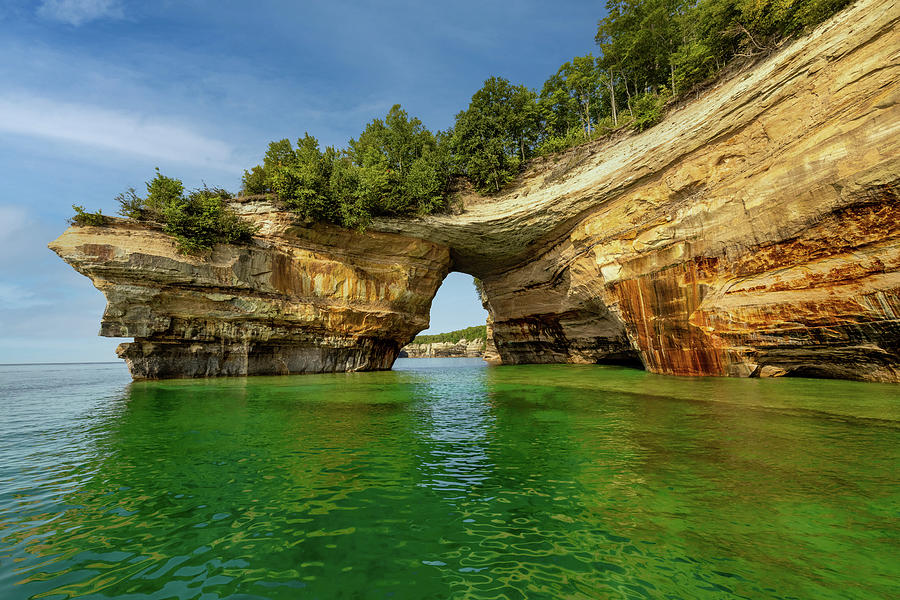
(649, 53)
(476, 332)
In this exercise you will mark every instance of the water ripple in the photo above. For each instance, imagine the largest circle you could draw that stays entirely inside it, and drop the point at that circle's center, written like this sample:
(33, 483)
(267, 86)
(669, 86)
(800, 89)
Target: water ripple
(445, 482)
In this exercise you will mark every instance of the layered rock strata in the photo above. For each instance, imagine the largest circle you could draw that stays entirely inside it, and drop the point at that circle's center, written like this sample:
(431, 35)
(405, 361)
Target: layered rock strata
(755, 231)
(462, 349)
(297, 300)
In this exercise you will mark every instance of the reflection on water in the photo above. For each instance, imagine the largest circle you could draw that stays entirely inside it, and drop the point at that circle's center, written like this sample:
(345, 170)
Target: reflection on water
(445, 478)
(454, 426)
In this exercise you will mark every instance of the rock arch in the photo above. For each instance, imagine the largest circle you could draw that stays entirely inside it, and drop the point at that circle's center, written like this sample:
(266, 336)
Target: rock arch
(754, 231)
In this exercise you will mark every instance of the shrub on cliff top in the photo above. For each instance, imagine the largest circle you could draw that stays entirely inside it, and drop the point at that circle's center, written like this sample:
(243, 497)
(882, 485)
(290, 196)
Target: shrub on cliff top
(131, 206)
(396, 168)
(83, 217)
(201, 219)
(197, 220)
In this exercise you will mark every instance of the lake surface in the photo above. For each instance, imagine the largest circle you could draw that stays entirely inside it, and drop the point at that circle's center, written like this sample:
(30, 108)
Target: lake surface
(446, 479)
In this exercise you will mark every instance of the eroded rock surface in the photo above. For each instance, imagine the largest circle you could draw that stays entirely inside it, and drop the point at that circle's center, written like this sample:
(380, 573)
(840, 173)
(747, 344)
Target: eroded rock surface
(758, 226)
(297, 300)
(462, 349)
(755, 231)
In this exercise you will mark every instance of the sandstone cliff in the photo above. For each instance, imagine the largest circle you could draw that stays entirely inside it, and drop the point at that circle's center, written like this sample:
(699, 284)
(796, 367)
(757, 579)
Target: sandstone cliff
(462, 349)
(297, 300)
(755, 231)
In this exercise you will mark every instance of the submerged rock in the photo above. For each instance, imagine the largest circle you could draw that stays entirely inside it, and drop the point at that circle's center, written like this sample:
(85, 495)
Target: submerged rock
(755, 230)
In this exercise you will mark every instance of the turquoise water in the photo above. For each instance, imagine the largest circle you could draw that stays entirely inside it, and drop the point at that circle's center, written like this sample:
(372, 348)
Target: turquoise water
(446, 479)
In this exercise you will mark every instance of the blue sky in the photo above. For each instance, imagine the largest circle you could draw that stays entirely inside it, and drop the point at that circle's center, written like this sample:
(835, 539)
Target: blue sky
(94, 94)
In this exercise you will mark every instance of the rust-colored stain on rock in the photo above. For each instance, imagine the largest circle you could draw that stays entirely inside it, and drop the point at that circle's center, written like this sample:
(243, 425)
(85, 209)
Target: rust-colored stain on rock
(755, 231)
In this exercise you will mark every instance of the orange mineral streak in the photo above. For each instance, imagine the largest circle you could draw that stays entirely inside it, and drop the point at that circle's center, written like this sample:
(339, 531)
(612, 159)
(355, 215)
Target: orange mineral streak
(754, 231)
(657, 311)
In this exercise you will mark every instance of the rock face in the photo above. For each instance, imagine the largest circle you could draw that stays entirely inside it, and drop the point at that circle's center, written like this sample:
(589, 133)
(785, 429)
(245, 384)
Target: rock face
(755, 231)
(298, 300)
(462, 349)
(758, 226)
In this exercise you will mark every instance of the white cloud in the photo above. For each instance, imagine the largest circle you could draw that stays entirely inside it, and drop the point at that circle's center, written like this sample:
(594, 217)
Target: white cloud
(78, 12)
(112, 130)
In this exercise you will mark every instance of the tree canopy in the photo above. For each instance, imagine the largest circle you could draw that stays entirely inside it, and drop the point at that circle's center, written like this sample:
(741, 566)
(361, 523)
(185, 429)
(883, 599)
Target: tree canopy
(648, 51)
(476, 332)
(396, 167)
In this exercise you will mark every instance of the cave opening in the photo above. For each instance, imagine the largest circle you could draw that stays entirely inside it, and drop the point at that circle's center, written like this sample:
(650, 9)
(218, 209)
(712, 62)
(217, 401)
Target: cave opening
(456, 305)
(457, 320)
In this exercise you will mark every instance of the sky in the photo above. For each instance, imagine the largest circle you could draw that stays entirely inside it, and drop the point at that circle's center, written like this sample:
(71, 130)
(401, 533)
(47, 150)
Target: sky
(95, 94)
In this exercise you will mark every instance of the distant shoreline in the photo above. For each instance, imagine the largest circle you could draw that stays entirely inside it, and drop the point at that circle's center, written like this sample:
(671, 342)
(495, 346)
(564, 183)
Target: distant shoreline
(439, 357)
(98, 362)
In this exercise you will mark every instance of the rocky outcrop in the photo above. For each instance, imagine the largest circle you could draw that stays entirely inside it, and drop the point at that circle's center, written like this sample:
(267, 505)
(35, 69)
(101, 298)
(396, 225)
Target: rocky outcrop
(755, 231)
(462, 349)
(297, 300)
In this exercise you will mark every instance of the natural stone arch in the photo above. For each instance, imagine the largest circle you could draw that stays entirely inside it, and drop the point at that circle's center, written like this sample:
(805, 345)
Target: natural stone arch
(755, 231)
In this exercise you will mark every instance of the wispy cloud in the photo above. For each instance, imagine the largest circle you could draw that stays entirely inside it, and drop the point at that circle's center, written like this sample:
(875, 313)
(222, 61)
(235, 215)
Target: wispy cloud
(14, 296)
(149, 136)
(79, 12)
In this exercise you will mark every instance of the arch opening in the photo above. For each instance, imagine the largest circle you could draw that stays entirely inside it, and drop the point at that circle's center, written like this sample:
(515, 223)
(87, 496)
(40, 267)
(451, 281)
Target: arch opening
(455, 306)
(457, 322)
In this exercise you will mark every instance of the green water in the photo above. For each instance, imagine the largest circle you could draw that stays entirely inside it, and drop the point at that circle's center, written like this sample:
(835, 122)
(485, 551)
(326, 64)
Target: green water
(446, 479)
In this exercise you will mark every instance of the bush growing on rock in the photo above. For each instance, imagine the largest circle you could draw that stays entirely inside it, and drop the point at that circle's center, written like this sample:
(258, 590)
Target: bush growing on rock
(83, 217)
(131, 206)
(198, 220)
(161, 191)
(201, 219)
(647, 110)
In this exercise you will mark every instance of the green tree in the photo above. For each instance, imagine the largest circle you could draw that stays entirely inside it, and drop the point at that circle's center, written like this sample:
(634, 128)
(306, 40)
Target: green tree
(496, 133)
(302, 181)
(201, 219)
(161, 191)
(272, 173)
(131, 206)
(396, 167)
(559, 111)
(403, 167)
(651, 44)
(254, 181)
